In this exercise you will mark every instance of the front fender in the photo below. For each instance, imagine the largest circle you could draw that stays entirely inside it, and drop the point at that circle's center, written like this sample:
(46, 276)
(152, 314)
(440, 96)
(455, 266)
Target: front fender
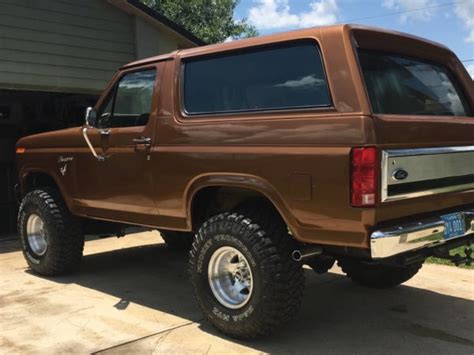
(27, 172)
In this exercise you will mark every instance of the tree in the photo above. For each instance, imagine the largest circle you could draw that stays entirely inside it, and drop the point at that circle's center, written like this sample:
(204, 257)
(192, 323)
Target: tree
(210, 20)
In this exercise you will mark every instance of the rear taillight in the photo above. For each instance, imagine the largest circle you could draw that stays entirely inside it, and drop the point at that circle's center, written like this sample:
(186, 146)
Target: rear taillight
(363, 176)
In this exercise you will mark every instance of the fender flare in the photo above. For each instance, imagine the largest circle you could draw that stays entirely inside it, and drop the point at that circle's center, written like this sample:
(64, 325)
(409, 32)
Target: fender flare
(244, 181)
(24, 174)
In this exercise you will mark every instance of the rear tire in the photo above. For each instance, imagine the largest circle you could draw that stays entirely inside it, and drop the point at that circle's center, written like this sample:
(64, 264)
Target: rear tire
(178, 240)
(273, 282)
(51, 237)
(375, 275)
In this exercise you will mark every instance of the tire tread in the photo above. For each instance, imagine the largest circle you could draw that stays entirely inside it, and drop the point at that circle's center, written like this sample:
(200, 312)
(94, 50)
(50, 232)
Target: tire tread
(66, 243)
(269, 238)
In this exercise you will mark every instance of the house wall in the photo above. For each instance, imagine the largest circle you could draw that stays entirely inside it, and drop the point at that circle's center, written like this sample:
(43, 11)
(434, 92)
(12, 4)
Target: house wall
(56, 56)
(148, 39)
(152, 40)
(66, 45)
(73, 46)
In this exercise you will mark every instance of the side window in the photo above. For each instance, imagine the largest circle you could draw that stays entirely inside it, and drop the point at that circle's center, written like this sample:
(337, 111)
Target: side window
(105, 113)
(130, 103)
(284, 76)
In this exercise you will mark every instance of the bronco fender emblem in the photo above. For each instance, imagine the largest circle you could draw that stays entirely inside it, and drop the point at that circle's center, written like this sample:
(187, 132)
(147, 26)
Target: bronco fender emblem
(399, 174)
(63, 170)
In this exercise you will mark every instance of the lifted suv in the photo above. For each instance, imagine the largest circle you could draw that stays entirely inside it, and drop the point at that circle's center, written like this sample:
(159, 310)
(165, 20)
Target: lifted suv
(339, 143)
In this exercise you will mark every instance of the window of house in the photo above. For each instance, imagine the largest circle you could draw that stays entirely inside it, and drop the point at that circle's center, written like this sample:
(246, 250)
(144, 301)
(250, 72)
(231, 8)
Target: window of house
(285, 76)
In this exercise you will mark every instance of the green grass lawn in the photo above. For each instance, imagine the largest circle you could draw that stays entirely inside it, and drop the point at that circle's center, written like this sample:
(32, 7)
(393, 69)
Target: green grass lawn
(459, 251)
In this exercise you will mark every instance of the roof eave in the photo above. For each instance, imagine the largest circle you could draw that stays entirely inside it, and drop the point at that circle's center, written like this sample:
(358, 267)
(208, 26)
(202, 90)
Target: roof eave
(138, 8)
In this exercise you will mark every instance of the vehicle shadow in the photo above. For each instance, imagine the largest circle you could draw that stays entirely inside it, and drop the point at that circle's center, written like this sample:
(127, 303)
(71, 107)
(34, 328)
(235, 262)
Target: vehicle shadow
(337, 316)
(9, 244)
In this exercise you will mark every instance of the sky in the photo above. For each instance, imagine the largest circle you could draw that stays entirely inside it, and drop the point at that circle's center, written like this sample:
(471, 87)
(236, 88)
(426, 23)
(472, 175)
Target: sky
(448, 22)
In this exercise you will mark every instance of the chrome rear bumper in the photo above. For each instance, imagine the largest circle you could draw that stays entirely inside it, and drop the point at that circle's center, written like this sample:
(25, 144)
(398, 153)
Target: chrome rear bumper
(415, 235)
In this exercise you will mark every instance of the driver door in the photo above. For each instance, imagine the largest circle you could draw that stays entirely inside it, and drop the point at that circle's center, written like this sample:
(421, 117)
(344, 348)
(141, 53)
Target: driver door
(122, 182)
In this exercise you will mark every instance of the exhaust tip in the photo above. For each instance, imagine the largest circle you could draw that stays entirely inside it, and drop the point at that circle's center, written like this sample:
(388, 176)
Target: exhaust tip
(296, 255)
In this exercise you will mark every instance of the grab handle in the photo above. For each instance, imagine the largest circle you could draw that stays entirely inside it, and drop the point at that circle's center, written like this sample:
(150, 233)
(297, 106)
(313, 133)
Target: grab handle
(91, 147)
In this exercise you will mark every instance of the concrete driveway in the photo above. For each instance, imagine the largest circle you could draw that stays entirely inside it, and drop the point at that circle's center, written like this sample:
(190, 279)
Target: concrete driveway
(132, 296)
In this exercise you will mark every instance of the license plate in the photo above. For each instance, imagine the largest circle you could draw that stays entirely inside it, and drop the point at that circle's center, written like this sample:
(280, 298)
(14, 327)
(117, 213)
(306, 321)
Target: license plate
(454, 225)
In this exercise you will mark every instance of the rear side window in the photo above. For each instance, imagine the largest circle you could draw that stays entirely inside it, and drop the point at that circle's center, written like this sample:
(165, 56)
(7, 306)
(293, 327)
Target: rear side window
(409, 86)
(268, 78)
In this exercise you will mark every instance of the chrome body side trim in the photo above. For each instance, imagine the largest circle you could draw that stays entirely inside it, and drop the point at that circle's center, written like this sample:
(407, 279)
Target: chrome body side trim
(406, 237)
(426, 165)
(436, 150)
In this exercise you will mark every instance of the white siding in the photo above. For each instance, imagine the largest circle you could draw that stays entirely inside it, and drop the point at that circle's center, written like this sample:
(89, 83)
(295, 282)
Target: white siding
(147, 39)
(152, 41)
(168, 43)
(63, 45)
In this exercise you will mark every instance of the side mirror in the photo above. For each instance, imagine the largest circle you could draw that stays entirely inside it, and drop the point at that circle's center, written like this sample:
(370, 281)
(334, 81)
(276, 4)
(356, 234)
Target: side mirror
(91, 117)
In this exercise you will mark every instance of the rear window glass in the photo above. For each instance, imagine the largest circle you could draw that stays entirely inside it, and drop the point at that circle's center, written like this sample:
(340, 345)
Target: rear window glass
(403, 85)
(269, 78)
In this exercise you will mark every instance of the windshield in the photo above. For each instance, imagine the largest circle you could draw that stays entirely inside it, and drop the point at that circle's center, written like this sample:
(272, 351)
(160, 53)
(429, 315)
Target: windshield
(408, 86)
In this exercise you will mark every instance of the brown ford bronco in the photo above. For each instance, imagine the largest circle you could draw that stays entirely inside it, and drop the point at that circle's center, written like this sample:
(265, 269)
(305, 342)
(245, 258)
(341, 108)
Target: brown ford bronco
(342, 143)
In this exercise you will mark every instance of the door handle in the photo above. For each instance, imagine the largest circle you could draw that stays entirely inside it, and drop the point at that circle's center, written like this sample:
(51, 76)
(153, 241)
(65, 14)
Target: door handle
(143, 141)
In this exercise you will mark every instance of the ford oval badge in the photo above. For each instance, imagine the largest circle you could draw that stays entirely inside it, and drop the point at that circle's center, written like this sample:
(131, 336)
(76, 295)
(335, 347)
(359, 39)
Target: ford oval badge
(399, 174)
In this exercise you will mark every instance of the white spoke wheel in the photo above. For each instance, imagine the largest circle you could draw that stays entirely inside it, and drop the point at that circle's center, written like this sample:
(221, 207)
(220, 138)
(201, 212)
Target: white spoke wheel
(37, 234)
(230, 277)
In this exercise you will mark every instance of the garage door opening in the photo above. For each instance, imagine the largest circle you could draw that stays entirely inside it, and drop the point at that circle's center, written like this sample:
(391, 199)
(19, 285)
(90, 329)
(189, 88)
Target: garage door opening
(24, 113)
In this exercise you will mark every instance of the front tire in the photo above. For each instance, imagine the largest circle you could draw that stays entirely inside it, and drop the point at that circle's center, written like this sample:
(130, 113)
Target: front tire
(375, 275)
(51, 236)
(244, 279)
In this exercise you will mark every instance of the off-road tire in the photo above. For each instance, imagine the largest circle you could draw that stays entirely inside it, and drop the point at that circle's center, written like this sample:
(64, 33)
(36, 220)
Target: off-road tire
(64, 236)
(178, 240)
(278, 282)
(375, 275)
